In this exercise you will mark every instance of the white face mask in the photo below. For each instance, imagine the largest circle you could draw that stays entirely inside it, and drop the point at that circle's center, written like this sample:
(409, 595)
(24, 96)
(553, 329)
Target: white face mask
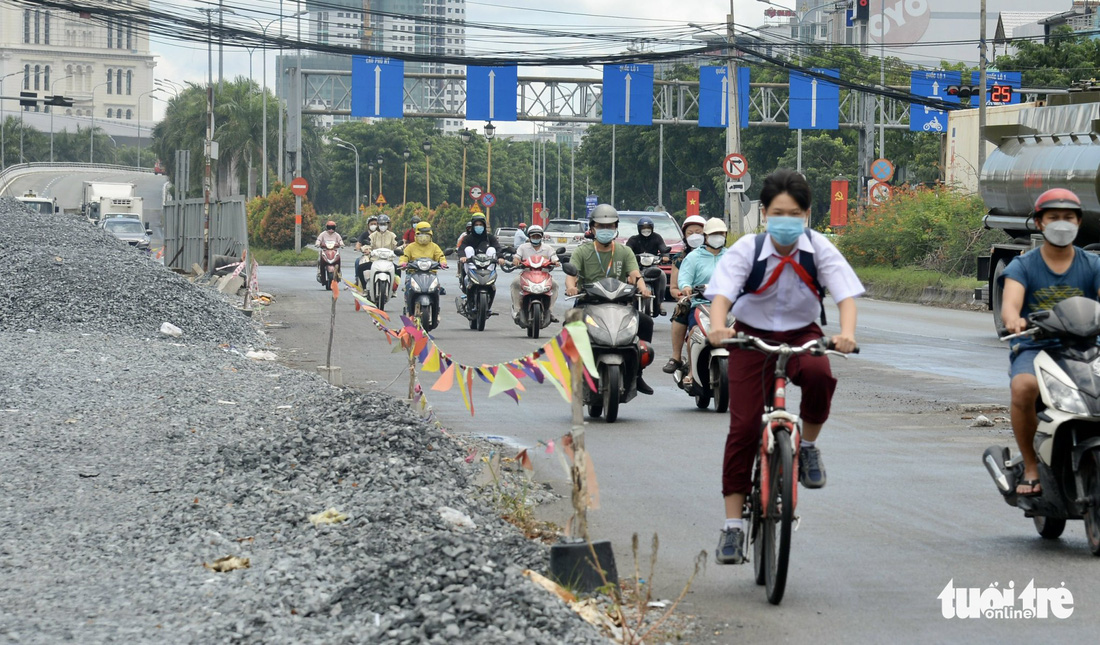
(716, 241)
(383, 227)
(695, 240)
(1060, 233)
(646, 232)
(373, 228)
(423, 239)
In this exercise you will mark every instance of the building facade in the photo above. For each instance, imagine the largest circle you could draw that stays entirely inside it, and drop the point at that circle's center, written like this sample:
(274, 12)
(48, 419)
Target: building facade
(102, 62)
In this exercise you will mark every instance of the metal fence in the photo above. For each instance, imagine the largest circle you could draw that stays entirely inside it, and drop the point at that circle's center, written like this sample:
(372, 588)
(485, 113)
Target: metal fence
(183, 232)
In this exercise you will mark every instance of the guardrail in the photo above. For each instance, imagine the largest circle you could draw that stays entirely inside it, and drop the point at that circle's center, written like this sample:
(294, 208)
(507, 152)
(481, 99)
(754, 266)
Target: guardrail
(46, 165)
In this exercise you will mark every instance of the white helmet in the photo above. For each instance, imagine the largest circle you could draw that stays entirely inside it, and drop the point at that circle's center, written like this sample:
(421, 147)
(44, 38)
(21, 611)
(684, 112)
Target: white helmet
(603, 214)
(535, 228)
(693, 219)
(715, 225)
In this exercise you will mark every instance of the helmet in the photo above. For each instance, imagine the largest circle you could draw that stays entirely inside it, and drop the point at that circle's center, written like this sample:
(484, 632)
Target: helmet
(604, 214)
(477, 218)
(1057, 198)
(715, 225)
(415, 219)
(423, 227)
(645, 222)
(522, 225)
(330, 225)
(384, 219)
(372, 218)
(693, 219)
(535, 228)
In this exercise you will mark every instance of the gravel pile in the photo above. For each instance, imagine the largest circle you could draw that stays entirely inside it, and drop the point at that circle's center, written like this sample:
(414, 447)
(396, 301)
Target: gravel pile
(130, 460)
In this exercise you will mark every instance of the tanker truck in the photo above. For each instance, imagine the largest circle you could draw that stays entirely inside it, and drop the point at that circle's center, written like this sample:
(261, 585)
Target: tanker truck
(1052, 146)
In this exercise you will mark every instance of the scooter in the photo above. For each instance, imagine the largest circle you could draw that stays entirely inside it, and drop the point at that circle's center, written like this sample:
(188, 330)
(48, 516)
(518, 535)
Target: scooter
(535, 285)
(480, 277)
(382, 278)
(710, 375)
(422, 292)
(649, 264)
(329, 264)
(613, 334)
(1068, 437)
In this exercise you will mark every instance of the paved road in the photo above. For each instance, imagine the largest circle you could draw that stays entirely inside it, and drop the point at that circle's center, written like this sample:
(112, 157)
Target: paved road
(908, 507)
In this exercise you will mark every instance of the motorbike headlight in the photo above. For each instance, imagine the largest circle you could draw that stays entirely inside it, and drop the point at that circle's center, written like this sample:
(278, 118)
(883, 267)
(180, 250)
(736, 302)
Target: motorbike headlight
(539, 287)
(1063, 397)
(629, 327)
(435, 284)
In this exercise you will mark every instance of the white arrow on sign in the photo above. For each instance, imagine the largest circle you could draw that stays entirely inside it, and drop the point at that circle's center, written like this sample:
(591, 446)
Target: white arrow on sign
(725, 99)
(627, 78)
(492, 93)
(813, 103)
(935, 88)
(377, 90)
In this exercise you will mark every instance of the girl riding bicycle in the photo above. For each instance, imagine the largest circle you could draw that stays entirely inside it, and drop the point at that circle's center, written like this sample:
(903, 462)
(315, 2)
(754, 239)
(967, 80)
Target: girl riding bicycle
(774, 284)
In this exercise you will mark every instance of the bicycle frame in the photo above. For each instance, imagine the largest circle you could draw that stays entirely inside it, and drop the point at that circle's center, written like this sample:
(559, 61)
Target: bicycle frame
(776, 417)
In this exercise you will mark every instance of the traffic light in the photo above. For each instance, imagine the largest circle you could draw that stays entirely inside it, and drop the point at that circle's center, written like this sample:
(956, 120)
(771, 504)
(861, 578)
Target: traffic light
(863, 10)
(963, 92)
(58, 100)
(28, 99)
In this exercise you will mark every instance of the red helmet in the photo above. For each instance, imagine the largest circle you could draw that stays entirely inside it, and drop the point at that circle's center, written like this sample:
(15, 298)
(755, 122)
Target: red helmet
(522, 225)
(1057, 198)
(330, 225)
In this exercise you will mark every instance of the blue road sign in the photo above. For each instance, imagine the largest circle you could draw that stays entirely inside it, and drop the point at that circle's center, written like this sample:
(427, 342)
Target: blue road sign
(814, 103)
(931, 84)
(997, 84)
(377, 87)
(590, 203)
(628, 94)
(488, 199)
(714, 94)
(491, 93)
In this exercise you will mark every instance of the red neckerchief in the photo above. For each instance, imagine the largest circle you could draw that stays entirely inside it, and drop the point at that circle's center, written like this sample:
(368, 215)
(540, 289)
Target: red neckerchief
(788, 260)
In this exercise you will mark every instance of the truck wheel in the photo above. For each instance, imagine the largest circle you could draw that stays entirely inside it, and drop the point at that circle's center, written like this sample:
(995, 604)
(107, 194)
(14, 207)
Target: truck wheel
(996, 295)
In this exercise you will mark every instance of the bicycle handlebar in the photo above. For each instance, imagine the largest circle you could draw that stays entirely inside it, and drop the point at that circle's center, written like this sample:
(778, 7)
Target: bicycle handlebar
(818, 347)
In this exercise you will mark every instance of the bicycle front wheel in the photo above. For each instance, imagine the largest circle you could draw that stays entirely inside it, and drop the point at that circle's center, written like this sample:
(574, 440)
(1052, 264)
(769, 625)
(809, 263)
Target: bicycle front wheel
(779, 517)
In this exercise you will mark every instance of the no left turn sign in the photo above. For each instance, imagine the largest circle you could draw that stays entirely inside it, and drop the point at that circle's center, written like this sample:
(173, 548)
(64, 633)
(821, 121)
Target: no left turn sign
(735, 165)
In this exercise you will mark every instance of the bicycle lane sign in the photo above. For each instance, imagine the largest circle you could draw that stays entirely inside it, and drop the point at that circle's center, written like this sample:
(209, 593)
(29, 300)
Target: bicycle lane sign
(931, 84)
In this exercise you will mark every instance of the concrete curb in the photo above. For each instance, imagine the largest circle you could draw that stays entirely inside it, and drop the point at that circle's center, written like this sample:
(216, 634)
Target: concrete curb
(932, 296)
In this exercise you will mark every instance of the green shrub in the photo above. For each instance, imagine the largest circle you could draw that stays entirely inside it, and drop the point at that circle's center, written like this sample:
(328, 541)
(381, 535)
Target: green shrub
(284, 258)
(271, 219)
(936, 229)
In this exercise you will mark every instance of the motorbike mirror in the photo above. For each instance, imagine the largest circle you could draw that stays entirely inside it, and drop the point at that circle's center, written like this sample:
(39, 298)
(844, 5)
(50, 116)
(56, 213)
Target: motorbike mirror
(569, 269)
(560, 250)
(353, 240)
(449, 252)
(653, 273)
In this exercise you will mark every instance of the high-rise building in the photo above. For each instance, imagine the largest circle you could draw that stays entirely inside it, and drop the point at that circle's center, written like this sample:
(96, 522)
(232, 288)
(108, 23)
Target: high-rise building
(102, 62)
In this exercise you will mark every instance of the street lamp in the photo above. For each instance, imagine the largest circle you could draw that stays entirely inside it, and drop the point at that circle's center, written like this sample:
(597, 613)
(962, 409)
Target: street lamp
(91, 134)
(155, 89)
(370, 181)
(405, 183)
(2, 124)
(263, 30)
(465, 135)
(52, 83)
(379, 175)
(490, 132)
(351, 146)
(427, 147)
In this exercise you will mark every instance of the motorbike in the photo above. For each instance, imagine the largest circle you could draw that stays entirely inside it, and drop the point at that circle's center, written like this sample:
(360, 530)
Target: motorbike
(329, 264)
(480, 277)
(649, 264)
(710, 376)
(382, 277)
(422, 292)
(1067, 440)
(613, 335)
(536, 285)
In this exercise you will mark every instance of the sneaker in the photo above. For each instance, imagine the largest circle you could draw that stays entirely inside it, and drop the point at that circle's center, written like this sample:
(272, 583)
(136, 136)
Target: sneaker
(671, 366)
(731, 547)
(811, 472)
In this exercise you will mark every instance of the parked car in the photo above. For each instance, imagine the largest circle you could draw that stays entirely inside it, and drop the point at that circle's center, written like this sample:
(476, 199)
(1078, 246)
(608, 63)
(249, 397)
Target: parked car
(566, 232)
(506, 235)
(664, 225)
(128, 229)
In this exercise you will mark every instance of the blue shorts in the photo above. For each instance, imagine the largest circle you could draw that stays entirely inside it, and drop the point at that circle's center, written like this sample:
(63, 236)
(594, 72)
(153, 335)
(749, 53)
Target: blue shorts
(1022, 362)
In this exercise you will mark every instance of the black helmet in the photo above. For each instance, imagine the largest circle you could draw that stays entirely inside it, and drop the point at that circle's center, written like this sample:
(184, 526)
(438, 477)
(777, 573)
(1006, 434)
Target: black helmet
(477, 218)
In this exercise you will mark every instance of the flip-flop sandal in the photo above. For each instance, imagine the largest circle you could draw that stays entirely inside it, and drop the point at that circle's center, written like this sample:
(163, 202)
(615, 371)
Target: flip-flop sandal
(1034, 484)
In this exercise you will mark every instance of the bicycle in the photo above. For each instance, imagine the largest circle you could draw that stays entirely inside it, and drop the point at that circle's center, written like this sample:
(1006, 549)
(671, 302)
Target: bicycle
(770, 507)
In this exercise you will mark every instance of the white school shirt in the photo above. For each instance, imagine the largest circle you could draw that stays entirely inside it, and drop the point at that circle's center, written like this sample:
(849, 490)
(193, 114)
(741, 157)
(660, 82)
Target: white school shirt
(789, 303)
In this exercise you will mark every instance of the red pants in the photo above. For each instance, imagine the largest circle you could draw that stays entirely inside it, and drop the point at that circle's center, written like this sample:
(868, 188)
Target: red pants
(749, 373)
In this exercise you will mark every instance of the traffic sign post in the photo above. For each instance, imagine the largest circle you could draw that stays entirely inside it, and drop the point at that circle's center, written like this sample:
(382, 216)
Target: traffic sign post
(933, 85)
(377, 87)
(475, 193)
(714, 96)
(735, 186)
(814, 103)
(488, 199)
(735, 165)
(880, 192)
(882, 169)
(491, 93)
(628, 95)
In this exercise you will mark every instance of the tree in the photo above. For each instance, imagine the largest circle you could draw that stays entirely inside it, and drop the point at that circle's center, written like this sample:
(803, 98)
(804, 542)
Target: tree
(1064, 59)
(271, 219)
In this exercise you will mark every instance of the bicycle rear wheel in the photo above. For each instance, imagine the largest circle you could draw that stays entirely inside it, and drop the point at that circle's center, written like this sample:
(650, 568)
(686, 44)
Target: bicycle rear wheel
(780, 516)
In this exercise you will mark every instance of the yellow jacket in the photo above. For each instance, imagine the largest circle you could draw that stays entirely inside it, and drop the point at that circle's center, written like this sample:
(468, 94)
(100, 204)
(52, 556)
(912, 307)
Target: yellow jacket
(417, 250)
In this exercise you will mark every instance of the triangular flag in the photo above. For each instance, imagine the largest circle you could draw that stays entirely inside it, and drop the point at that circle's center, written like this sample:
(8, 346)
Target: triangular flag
(550, 447)
(465, 385)
(335, 289)
(578, 333)
(532, 369)
(557, 358)
(483, 373)
(445, 381)
(422, 355)
(419, 345)
(525, 460)
(513, 394)
(505, 381)
(431, 363)
(591, 384)
(564, 392)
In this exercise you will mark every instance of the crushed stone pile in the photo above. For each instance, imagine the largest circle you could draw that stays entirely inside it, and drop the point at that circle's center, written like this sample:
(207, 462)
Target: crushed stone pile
(157, 490)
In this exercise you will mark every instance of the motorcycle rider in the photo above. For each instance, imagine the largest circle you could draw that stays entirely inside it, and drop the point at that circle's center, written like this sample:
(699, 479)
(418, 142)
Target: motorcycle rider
(410, 235)
(605, 259)
(521, 235)
(697, 269)
(327, 235)
(1037, 280)
(532, 247)
(423, 247)
(469, 227)
(783, 309)
(382, 238)
(692, 229)
(479, 240)
(362, 244)
(646, 242)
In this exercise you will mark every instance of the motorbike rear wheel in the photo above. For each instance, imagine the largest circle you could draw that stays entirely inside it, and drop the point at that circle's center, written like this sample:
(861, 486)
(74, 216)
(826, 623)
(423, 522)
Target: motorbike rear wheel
(534, 321)
(702, 394)
(482, 313)
(612, 380)
(1090, 471)
(327, 276)
(423, 315)
(720, 379)
(380, 297)
(1048, 527)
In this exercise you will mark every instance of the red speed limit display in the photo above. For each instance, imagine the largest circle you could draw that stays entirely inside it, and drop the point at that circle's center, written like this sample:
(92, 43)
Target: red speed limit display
(1000, 94)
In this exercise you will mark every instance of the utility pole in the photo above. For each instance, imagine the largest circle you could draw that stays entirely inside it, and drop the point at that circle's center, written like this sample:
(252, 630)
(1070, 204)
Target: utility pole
(208, 147)
(733, 123)
(982, 82)
(613, 162)
(295, 95)
(221, 42)
(660, 166)
(867, 132)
